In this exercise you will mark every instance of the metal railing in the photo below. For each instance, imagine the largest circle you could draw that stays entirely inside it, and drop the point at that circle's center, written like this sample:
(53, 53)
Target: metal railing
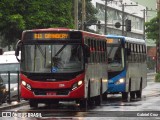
(9, 78)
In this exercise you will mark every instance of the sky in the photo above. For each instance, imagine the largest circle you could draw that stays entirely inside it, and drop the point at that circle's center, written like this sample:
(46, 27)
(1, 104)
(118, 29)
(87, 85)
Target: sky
(151, 4)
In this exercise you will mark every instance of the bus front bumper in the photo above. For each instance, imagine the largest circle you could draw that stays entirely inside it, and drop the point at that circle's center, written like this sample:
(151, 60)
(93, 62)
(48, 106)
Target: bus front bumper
(59, 94)
(116, 88)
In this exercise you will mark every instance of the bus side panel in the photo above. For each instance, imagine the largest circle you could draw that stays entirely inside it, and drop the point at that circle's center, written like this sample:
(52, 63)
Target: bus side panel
(95, 73)
(136, 73)
(144, 75)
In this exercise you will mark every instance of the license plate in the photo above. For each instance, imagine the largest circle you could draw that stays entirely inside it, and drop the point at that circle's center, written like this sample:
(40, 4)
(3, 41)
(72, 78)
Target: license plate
(51, 93)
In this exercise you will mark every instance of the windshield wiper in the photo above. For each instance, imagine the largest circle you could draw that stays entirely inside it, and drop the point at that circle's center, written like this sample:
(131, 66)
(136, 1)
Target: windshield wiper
(41, 51)
(60, 50)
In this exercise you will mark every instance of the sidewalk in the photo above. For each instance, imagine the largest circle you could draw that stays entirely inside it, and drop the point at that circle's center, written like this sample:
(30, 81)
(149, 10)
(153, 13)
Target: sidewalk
(14, 104)
(152, 73)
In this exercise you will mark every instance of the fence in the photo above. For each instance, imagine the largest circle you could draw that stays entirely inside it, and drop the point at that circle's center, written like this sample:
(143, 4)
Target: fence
(12, 81)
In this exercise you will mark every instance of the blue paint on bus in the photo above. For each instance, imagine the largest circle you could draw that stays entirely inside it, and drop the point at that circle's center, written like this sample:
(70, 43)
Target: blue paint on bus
(113, 87)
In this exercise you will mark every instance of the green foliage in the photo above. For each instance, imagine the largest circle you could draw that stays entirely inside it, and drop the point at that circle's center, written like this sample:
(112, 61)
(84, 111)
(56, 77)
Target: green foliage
(157, 77)
(91, 12)
(18, 15)
(152, 28)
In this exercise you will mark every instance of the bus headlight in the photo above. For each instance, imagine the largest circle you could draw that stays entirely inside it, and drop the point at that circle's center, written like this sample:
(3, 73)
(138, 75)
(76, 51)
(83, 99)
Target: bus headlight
(77, 84)
(120, 81)
(105, 80)
(80, 82)
(28, 86)
(24, 83)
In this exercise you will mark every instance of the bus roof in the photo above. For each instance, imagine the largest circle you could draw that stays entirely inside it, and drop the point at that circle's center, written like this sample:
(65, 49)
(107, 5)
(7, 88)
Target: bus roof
(46, 30)
(128, 39)
(49, 29)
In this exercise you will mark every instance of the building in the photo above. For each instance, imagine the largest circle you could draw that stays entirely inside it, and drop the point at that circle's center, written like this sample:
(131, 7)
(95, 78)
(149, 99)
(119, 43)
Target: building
(119, 11)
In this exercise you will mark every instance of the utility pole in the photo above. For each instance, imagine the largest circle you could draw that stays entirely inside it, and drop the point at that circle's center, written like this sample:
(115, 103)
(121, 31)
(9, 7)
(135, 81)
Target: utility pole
(76, 14)
(83, 13)
(144, 18)
(105, 21)
(106, 16)
(123, 16)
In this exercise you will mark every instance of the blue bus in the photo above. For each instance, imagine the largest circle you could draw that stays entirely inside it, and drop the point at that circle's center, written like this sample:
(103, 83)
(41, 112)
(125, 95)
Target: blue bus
(127, 68)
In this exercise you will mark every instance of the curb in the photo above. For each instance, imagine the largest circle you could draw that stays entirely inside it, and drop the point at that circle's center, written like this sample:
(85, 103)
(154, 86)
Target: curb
(7, 106)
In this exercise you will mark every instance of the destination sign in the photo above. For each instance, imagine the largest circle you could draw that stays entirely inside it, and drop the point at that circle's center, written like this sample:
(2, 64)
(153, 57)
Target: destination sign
(112, 41)
(47, 36)
(50, 36)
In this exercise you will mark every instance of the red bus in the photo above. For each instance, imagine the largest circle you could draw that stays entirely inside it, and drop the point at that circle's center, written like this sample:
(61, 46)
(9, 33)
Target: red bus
(59, 64)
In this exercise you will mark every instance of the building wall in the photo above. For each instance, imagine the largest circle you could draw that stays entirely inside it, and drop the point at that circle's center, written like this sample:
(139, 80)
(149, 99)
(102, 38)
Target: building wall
(114, 14)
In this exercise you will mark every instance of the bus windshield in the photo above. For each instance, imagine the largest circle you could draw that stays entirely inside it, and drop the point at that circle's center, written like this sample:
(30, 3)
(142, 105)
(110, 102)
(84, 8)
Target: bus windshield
(55, 58)
(115, 57)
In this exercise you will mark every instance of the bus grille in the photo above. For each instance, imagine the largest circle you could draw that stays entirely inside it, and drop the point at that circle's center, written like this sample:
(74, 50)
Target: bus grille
(45, 91)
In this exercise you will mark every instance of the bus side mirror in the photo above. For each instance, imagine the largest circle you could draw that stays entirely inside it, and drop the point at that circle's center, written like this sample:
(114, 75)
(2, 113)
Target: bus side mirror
(18, 48)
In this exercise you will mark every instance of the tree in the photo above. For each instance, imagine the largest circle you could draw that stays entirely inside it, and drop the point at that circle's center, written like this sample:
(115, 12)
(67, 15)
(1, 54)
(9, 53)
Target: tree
(152, 28)
(18, 15)
(91, 12)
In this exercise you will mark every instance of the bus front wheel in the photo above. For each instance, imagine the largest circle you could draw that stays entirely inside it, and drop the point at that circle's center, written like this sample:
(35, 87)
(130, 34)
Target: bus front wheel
(125, 96)
(33, 104)
(98, 99)
(84, 103)
(139, 92)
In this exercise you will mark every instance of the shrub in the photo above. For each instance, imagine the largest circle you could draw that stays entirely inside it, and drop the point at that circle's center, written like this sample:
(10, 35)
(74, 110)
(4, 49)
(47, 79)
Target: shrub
(157, 77)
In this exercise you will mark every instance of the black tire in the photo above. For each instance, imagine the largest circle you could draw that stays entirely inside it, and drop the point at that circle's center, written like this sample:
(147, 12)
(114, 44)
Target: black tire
(33, 104)
(84, 103)
(104, 96)
(132, 95)
(98, 99)
(125, 96)
(1, 101)
(139, 92)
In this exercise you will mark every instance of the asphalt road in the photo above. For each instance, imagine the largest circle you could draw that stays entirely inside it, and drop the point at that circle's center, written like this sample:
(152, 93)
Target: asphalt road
(148, 108)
